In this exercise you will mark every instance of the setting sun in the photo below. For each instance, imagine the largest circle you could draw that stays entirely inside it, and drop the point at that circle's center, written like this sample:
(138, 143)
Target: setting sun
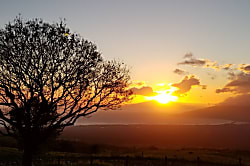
(164, 97)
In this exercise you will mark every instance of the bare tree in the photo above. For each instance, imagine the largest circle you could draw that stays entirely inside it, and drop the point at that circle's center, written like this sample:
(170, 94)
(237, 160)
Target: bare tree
(49, 77)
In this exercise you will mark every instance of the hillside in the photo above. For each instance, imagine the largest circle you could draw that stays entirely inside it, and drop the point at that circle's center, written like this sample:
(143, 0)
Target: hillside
(229, 112)
(165, 136)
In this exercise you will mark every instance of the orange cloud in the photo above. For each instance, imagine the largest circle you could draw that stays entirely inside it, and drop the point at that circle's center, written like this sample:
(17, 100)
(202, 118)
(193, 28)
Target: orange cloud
(186, 84)
(227, 66)
(244, 67)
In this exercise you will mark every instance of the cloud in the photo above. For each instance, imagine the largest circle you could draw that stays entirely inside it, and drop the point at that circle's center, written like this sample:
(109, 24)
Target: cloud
(180, 72)
(227, 66)
(144, 91)
(244, 67)
(239, 83)
(188, 55)
(223, 90)
(191, 60)
(214, 65)
(186, 84)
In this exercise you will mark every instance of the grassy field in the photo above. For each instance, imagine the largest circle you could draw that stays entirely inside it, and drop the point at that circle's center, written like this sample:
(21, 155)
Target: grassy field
(132, 156)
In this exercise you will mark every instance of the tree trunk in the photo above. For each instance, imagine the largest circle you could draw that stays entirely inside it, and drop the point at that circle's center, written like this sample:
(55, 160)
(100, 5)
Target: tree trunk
(27, 156)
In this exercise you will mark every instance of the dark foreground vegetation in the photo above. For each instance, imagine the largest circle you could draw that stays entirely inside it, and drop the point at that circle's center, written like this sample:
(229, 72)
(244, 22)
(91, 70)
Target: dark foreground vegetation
(76, 153)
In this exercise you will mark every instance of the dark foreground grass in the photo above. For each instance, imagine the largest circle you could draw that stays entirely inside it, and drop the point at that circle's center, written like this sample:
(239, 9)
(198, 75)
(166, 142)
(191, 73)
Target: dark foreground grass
(133, 157)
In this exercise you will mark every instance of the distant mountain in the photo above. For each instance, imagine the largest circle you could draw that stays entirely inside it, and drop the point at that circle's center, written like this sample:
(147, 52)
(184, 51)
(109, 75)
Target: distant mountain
(234, 108)
(230, 112)
(140, 113)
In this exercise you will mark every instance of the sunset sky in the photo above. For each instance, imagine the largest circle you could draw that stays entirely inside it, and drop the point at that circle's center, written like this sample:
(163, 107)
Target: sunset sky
(184, 50)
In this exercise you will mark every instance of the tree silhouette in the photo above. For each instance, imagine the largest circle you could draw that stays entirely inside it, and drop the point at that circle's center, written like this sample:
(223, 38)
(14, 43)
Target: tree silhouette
(49, 77)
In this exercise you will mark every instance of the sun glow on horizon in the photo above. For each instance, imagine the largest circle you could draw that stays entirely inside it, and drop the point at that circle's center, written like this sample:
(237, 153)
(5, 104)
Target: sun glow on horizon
(164, 97)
